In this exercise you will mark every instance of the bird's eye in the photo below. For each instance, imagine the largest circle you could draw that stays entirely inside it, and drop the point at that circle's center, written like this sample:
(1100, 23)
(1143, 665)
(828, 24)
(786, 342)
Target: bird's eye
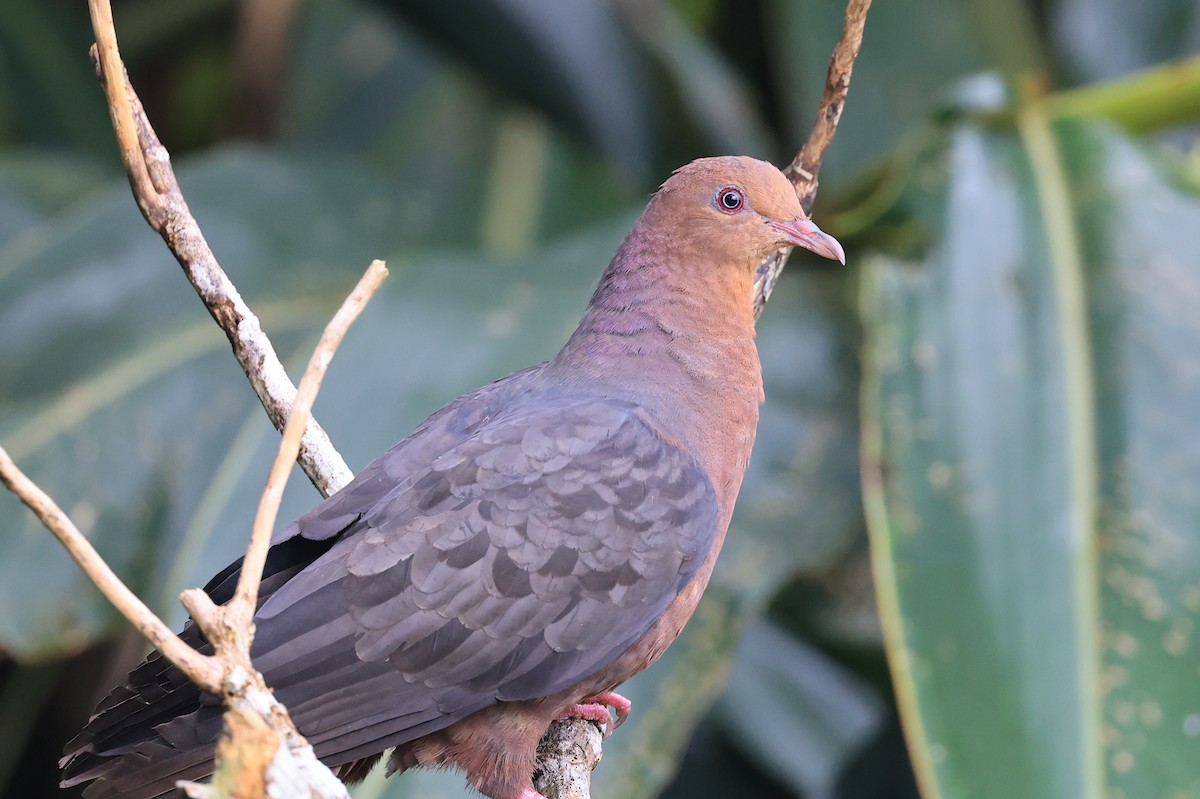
(730, 200)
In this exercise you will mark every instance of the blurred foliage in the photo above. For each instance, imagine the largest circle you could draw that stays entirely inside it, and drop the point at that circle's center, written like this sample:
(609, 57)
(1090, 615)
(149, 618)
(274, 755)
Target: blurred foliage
(1022, 286)
(1032, 472)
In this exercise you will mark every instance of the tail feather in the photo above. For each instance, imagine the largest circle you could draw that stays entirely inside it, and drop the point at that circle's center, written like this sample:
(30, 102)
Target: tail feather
(150, 768)
(158, 727)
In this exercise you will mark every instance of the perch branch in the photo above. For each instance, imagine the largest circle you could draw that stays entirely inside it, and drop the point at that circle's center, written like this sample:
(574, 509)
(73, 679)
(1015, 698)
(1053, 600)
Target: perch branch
(566, 756)
(806, 166)
(158, 195)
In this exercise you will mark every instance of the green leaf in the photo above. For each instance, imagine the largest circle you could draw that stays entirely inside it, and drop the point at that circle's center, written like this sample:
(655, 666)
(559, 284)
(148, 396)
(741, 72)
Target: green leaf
(797, 712)
(118, 393)
(570, 59)
(1029, 407)
(1101, 39)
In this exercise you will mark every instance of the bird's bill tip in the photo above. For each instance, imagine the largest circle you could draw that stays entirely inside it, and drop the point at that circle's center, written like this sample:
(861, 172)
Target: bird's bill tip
(804, 233)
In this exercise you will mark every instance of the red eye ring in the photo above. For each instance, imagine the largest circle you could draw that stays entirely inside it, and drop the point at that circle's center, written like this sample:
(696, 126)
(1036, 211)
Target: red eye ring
(730, 199)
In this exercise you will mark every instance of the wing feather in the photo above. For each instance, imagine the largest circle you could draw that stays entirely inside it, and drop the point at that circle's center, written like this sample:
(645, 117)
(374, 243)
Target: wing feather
(518, 562)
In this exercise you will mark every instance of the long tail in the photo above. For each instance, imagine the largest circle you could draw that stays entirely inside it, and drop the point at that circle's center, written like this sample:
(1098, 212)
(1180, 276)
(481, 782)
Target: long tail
(159, 728)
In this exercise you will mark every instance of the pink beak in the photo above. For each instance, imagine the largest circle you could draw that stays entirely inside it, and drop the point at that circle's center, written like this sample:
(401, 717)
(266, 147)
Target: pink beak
(803, 233)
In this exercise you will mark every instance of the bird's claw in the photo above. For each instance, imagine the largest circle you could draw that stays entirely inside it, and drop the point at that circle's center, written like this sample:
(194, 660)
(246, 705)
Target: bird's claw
(620, 705)
(595, 708)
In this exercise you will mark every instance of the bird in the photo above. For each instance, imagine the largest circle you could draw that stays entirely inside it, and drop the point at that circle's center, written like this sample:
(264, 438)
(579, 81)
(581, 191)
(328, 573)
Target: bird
(523, 552)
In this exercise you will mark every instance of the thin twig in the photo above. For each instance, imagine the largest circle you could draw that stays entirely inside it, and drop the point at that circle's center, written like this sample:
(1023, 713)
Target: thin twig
(200, 669)
(108, 58)
(806, 166)
(241, 608)
(230, 628)
(157, 193)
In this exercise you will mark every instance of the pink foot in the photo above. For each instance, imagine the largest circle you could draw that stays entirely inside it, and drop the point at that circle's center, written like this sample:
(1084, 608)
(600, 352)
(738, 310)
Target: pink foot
(620, 705)
(530, 793)
(589, 711)
(595, 708)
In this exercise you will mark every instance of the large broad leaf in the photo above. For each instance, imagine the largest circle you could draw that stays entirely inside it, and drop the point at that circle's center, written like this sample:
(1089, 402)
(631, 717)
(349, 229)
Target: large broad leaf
(118, 392)
(1032, 454)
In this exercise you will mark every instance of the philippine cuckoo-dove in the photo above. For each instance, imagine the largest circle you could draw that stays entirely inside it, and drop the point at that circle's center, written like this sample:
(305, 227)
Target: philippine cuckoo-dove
(525, 550)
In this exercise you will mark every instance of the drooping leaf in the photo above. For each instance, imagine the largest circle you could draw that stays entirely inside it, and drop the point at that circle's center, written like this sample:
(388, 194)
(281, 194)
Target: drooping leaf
(1031, 385)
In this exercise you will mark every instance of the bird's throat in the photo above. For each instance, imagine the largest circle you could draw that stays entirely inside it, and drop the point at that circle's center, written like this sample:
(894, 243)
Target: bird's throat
(661, 305)
(676, 334)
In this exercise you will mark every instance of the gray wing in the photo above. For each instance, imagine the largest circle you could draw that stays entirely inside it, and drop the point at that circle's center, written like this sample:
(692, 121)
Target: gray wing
(443, 430)
(517, 563)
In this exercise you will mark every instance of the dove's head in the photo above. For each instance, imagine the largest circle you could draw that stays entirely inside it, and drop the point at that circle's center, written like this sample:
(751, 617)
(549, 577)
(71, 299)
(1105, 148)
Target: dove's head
(739, 210)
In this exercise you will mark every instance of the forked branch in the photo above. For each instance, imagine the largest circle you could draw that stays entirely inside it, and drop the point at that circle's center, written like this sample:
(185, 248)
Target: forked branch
(229, 672)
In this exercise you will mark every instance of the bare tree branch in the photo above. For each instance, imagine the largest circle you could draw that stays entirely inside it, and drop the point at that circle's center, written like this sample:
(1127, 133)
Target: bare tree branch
(566, 756)
(806, 166)
(157, 193)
